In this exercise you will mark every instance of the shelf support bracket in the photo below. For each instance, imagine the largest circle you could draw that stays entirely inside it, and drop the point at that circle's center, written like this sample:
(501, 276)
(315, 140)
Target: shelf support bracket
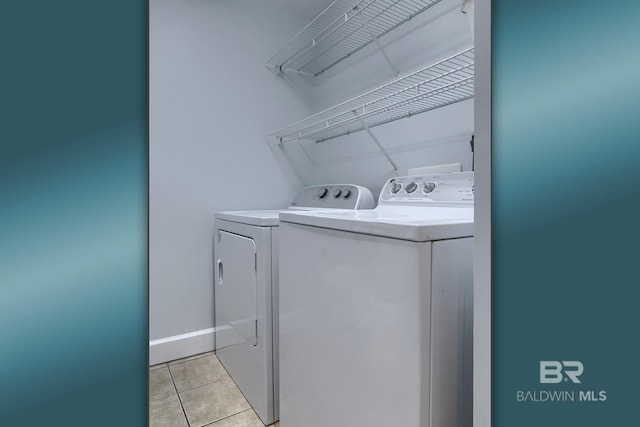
(277, 146)
(373, 137)
(365, 24)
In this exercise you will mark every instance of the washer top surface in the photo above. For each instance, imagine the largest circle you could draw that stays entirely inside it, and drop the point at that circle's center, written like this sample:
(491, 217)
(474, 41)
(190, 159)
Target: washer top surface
(318, 197)
(436, 223)
(425, 208)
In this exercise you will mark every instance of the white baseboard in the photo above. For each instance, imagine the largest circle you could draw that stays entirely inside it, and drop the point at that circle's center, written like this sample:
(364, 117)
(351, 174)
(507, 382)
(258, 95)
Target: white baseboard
(179, 346)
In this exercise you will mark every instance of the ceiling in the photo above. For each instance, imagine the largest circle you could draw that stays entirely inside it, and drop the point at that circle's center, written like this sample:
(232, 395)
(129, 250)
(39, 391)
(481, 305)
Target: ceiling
(305, 9)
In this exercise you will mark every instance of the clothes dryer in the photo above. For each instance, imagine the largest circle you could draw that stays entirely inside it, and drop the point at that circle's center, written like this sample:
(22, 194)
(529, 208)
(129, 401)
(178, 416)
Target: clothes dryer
(376, 309)
(246, 290)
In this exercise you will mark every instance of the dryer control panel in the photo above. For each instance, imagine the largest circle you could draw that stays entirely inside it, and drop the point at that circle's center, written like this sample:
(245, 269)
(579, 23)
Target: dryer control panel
(334, 196)
(452, 189)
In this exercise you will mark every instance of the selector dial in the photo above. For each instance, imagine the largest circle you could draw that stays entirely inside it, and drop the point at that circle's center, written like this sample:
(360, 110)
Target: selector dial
(411, 187)
(428, 187)
(346, 193)
(337, 192)
(395, 187)
(323, 192)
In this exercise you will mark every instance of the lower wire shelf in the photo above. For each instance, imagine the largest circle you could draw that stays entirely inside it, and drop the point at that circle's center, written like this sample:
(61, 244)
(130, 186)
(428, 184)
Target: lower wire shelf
(443, 83)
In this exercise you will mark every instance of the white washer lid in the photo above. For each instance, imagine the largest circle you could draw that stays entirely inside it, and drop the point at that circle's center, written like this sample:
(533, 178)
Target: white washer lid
(267, 218)
(419, 224)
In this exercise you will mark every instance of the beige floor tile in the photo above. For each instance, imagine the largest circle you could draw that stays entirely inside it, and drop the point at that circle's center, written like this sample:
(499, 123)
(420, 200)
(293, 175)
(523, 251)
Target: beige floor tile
(160, 384)
(247, 418)
(212, 402)
(158, 366)
(196, 372)
(166, 412)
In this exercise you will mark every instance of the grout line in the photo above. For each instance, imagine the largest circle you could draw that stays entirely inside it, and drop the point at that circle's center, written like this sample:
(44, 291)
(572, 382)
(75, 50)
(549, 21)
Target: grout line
(206, 384)
(157, 366)
(228, 377)
(229, 416)
(179, 398)
(189, 358)
(156, 398)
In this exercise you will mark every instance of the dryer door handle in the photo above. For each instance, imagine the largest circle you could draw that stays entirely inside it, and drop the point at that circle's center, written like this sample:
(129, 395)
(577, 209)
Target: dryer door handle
(220, 272)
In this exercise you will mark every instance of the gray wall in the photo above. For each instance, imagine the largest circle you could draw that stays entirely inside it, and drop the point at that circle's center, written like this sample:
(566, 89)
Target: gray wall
(212, 103)
(482, 248)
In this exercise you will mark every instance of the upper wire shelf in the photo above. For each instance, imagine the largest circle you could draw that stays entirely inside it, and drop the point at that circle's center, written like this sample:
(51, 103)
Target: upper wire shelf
(443, 83)
(343, 28)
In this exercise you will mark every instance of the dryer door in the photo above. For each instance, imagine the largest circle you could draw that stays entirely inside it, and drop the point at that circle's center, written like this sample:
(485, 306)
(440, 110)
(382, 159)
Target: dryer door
(236, 289)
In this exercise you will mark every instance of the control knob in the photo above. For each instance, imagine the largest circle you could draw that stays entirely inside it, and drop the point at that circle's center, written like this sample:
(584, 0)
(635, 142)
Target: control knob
(411, 187)
(337, 192)
(346, 193)
(428, 187)
(395, 187)
(323, 192)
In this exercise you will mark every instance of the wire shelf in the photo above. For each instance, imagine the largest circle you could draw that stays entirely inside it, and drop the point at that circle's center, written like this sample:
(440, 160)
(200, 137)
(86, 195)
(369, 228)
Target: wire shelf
(342, 29)
(443, 83)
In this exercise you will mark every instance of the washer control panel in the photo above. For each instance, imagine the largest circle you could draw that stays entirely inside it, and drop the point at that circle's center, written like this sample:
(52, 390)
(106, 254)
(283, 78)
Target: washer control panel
(334, 196)
(455, 188)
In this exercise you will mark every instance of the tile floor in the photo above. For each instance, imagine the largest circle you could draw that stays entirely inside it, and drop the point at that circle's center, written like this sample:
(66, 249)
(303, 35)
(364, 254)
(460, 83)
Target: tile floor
(197, 391)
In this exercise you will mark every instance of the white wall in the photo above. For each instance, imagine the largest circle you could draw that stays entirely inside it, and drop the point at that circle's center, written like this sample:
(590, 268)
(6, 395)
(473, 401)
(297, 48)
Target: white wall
(212, 102)
(436, 137)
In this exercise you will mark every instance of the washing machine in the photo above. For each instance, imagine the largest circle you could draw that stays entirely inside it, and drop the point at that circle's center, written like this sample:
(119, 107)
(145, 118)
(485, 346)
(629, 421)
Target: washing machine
(376, 309)
(246, 290)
